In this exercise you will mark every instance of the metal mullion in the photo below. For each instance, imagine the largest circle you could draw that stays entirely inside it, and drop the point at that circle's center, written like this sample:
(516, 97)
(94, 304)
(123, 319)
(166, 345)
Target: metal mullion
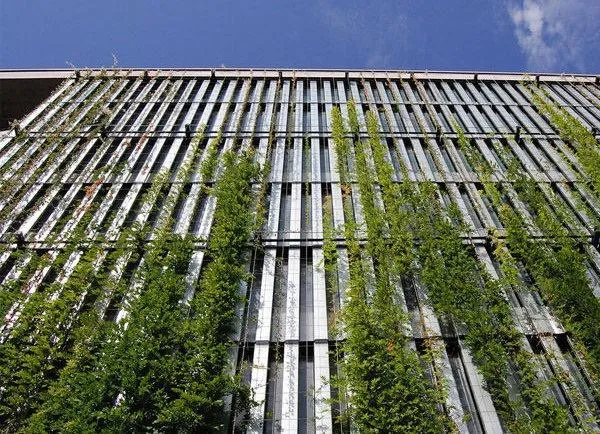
(258, 385)
(547, 166)
(41, 161)
(523, 156)
(323, 416)
(254, 106)
(341, 87)
(496, 121)
(498, 104)
(387, 107)
(522, 114)
(465, 119)
(591, 201)
(289, 393)
(26, 226)
(358, 104)
(437, 94)
(488, 92)
(295, 223)
(207, 112)
(444, 172)
(195, 104)
(558, 362)
(144, 174)
(543, 126)
(183, 224)
(571, 158)
(131, 162)
(115, 112)
(142, 177)
(426, 170)
(38, 142)
(465, 172)
(480, 207)
(431, 331)
(452, 396)
(292, 303)
(17, 267)
(176, 187)
(298, 105)
(284, 101)
(108, 89)
(328, 106)
(480, 98)
(336, 192)
(592, 99)
(558, 160)
(404, 116)
(466, 98)
(403, 155)
(509, 119)
(221, 119)
(530, 318)
(513, 90)
(421, 121)
(371, 99)
(566, 198)
(209, 210)
(564, 105)
(449, 118)
(275, 200)
(409, 92)
(485, 406)
(483, 123)
(456, 197)
(359, 217)
(171, 200)
(450, 94)
(116, 156)
(485, 151)
(505, 96)
(314, 109)
(31, 193)
(522, 210)
(565, 96)
(238, 106)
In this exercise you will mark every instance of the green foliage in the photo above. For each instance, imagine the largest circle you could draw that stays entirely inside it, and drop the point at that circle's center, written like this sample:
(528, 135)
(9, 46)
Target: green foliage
(167, 367)
(212, 158)
(330, 254)
(455, 282)
(37, 346)
(573, 132)
(65, 368)
(386, 379)
(555, 264)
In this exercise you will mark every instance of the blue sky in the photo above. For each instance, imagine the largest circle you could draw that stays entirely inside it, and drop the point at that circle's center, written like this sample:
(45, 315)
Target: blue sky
(498, 35)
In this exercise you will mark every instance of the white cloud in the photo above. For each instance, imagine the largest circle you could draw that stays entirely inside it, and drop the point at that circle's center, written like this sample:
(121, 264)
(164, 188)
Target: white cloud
(377, 30)
(556, 33)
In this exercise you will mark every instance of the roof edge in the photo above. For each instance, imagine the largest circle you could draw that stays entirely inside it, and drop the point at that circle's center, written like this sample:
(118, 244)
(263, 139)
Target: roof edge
(296, 73)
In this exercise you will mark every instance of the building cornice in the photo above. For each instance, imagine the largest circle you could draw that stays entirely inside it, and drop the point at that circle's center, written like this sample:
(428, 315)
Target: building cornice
(300, 73)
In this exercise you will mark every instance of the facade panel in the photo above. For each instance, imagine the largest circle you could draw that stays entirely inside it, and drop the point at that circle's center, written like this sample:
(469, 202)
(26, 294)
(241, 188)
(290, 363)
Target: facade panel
(115, 168)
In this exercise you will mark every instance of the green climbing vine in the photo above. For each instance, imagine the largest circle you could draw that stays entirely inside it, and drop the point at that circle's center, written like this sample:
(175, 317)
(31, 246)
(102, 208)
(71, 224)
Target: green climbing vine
(573, 132)
(555, 263)
(386, 380)
(180, 376)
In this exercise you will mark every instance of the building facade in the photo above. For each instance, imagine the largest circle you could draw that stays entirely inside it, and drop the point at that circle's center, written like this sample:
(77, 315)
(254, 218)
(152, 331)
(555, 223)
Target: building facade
(113, 155)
